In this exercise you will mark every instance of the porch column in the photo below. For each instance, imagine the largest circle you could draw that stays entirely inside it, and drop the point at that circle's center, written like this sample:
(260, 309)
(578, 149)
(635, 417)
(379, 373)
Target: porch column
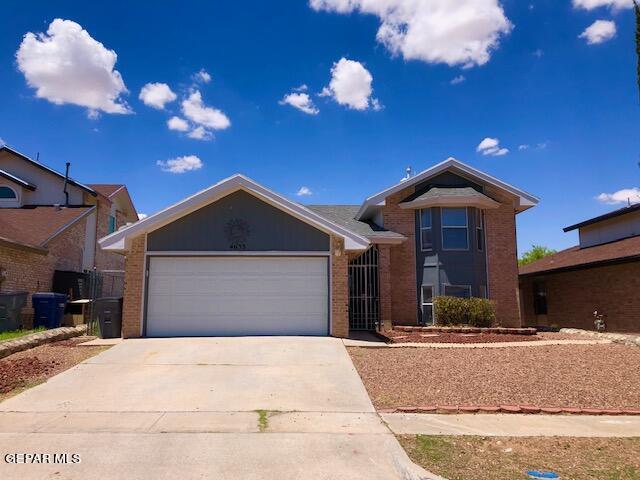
(384, 274)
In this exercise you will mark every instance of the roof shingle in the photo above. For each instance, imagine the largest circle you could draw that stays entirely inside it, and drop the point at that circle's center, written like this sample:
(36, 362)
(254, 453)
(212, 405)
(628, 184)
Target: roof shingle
(344, 215)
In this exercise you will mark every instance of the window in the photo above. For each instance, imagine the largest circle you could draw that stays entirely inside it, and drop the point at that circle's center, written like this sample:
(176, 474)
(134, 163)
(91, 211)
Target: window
(479, 229)
(483, 291)
(7, 193)
(427, 305)
(426, 240)
(540, 298)
(455, 235)
(461, 291)
(112, 224)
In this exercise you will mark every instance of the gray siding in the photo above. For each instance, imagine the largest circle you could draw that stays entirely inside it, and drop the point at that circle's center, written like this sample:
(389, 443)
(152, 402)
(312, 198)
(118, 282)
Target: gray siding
(439, 267)
(261, 228)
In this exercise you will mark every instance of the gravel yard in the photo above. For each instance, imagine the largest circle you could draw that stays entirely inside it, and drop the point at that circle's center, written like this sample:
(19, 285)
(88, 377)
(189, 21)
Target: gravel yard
(581, 376)
(444, 337)
(30, 367)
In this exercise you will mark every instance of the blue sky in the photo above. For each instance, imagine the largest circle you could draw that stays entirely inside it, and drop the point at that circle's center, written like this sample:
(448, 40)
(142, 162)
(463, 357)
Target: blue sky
(575, 104)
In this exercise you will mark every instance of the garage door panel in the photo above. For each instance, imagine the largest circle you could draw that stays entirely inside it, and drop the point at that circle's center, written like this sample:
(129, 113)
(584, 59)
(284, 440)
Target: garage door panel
(237, 296)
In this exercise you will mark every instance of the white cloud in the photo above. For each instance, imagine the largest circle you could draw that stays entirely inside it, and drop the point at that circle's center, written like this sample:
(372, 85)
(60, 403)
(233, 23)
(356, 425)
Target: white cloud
(599, 31)
(200, 133)
(198, 113)
(183, 164)
(539, 53)
(142, 216)
(304, 192)
(301, 88)
(178, 124)
(457, 80)
(625, 195)
(523, 147)
(66, 65)
(350, 85)
(202, 76)
(491, 146)
(592, 4)
(301, 101)
(462, 32)
(157, 95)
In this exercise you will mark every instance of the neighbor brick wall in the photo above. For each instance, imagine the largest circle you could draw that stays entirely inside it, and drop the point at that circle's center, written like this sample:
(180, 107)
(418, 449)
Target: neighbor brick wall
(105, 260)
(502, 262)
(573, 296)
(33, 272)
(133, 288)
(404, 303)
(384, 277)
(340, 289)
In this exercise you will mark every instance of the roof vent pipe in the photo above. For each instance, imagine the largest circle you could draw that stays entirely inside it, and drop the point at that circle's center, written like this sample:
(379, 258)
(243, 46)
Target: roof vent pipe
(66, 181)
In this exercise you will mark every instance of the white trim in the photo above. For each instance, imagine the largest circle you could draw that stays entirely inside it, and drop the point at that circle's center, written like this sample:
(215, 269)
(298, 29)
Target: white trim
(236, 253)
(466, 227)
(480, 214)
(526, 200)
(458, 201)
(421, 228)
(11, 202)
(221, 189)
(423, 303)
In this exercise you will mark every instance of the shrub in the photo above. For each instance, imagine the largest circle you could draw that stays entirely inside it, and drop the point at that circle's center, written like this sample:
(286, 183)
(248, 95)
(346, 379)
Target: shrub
(477, 312)
(450, 310)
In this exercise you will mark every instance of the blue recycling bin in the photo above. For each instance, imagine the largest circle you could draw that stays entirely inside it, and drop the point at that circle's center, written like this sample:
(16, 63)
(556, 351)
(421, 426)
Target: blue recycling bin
(48, 309)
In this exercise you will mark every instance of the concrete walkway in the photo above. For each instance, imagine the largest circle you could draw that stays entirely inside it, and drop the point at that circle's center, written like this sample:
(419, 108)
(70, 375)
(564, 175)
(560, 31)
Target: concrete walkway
(514, 425)
(219, 408)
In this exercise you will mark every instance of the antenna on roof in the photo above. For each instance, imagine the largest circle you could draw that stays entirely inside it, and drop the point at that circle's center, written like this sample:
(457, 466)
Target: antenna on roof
(66, 181)
(409, 174)
(38, 157)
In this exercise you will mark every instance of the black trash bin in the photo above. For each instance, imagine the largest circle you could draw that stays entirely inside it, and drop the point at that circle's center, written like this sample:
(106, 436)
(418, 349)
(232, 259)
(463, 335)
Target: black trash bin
(108, 312)
(10, 306)
(48, 309)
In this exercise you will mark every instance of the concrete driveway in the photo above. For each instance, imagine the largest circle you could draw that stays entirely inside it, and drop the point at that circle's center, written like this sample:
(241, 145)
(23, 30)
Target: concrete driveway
(253, 407)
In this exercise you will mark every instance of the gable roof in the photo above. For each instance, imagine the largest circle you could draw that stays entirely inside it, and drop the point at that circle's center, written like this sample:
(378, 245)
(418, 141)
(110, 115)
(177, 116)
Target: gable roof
(106, 189)
(120, 240)
(526, 200)
(606, 216)
(576, 257)
(17, 180)
(34, 227)
(47, 169)
(345, 215)
(111, 191)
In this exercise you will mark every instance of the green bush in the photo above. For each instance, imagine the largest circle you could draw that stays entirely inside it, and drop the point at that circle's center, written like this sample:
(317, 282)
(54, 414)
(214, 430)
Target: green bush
(477, 312)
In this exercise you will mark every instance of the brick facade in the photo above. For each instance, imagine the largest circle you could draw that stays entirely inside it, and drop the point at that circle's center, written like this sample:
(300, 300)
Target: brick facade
(133, 289)
(107, 260)
(502, 259)
(573, 296)
(404, 295)
(384, 277)
(31, 271)
(339, 289)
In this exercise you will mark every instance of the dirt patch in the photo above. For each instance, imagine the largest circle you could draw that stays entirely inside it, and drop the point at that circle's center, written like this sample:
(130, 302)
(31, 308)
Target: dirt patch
(34, 366)
(426, 337)
(581, 376)
(481, 458)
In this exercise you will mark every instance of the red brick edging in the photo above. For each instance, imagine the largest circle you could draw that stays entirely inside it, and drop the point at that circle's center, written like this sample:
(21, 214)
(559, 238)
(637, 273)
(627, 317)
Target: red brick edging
(530, 409)
(502, 330)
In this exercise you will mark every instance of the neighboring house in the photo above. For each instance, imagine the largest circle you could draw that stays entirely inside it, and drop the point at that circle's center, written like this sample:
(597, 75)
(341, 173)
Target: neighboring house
(601, 273)
(239, 259)
(49, 222)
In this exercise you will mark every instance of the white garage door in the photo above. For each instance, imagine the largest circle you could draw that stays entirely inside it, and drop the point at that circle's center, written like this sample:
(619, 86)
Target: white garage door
(202, 296)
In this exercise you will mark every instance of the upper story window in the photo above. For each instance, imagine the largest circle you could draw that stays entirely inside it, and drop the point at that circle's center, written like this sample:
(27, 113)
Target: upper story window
(7, 193)
(479, 230)
(455, 231)
(112, 224)
(426, 238)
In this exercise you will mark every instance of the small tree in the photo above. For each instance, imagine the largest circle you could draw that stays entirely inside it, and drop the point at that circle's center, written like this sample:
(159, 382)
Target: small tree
(536, 253)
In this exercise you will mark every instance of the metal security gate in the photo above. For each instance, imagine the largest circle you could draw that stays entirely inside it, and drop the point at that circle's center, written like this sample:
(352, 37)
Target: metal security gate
(364, 290)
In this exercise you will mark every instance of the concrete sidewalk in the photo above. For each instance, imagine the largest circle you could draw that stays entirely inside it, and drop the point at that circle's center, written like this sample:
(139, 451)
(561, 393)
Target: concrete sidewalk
(514, 425)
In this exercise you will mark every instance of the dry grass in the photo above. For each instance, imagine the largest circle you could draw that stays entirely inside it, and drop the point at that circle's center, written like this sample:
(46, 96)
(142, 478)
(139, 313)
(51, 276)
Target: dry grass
(585, 376)
(495, 458)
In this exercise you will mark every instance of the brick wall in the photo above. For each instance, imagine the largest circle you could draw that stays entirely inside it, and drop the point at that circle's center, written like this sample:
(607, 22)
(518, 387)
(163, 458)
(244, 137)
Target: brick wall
(404, 303)
(340, 289)
(573, 296)
(502, 261)
(107, 260)
(133, 288)
(384, 277)
(32, 272)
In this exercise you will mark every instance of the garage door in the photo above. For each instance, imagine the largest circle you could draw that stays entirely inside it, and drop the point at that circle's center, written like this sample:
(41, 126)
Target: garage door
(204, 296)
